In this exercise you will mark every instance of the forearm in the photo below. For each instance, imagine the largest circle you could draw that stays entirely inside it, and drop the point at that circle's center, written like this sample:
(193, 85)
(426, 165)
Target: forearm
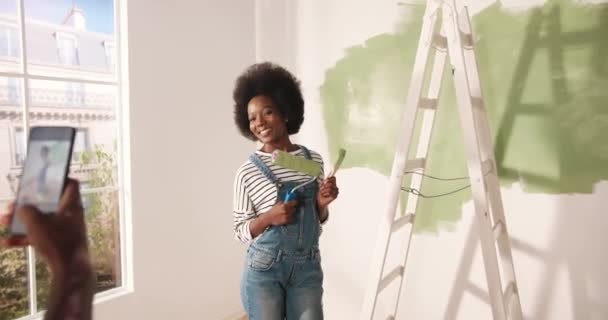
(259, 225)
(71, 296)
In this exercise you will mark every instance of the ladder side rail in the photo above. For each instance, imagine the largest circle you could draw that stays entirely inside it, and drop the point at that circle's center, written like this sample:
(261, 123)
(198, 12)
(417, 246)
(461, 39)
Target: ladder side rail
(493, 183)
(408, 119)
(424, 142)
(472, 148)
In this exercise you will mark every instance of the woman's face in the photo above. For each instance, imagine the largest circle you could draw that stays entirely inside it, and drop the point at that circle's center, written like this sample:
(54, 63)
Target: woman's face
(265, 121)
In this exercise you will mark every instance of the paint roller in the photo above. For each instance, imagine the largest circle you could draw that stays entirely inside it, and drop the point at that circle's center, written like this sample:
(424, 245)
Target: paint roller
(305, 166)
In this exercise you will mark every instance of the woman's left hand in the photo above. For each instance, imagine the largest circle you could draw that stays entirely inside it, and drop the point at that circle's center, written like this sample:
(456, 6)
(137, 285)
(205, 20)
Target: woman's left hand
(328, 192)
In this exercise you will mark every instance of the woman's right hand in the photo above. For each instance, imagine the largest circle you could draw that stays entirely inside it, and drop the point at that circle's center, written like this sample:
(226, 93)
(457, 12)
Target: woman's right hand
(282, 213)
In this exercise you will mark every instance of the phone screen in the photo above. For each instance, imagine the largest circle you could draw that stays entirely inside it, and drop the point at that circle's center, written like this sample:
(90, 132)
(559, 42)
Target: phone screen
(43, 176)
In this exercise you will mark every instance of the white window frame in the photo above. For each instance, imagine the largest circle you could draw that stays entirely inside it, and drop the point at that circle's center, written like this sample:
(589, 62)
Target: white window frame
(120, 81)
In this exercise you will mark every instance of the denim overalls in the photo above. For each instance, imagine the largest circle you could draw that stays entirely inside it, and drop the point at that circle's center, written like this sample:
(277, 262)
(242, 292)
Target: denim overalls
(282, 278)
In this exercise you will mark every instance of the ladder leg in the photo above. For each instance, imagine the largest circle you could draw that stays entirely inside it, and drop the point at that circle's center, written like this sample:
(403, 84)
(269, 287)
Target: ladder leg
(472, 147)
(493, 183)
(401, 153)
(424, 142)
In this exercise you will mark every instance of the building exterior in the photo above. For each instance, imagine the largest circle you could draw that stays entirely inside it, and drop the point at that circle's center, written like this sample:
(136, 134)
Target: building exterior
(58, 50)
(59, 56)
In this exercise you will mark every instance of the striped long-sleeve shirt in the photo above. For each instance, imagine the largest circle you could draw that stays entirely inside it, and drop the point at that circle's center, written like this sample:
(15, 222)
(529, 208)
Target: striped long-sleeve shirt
(254, 194)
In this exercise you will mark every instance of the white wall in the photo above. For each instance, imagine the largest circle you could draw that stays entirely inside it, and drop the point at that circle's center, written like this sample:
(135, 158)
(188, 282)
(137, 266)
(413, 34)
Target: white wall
(559, 240)
(184, 56)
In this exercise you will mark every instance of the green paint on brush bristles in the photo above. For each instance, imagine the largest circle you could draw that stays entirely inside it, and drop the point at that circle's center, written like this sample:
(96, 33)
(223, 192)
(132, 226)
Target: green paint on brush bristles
(289, 161)
(341, 155)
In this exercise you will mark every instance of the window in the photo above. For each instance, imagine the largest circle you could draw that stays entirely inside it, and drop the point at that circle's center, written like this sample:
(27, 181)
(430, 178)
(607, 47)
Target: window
(19, 157)
(74, 94)
(9, 44)
(10, 92)
(39, 86)
(110, 49)
(67, 48)
(81, 145)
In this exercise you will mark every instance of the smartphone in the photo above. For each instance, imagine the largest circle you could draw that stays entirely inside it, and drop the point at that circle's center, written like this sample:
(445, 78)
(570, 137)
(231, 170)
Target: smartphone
(44, 174)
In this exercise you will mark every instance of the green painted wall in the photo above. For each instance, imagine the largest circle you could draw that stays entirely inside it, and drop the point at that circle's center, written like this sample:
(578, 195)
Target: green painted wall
(544, 73)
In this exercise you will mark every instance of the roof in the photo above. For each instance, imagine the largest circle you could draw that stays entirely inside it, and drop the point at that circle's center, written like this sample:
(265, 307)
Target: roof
(42, 43)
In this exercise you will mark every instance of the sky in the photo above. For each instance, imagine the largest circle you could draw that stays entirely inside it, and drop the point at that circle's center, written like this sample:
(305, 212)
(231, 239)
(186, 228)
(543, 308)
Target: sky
(99, 13)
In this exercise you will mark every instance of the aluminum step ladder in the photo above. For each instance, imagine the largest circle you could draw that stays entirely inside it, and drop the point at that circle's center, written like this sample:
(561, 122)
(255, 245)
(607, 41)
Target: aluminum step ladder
(453, 38)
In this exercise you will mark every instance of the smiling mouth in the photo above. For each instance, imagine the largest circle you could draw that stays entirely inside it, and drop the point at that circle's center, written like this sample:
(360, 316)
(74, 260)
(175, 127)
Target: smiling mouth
(264, 132)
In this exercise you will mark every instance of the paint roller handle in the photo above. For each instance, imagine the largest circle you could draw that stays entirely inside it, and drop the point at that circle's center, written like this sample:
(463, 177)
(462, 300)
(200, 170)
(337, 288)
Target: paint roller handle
(289, 196)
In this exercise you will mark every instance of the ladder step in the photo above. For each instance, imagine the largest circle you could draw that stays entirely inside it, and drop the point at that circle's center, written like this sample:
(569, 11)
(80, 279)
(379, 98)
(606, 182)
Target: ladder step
(467, 40)
(487, 167)
(394, 274)
(498, 229)
(477, 103)
(397, 224)
(476, 291)
(426, 103)
(414, 164)
(510, 294)
(440, 42)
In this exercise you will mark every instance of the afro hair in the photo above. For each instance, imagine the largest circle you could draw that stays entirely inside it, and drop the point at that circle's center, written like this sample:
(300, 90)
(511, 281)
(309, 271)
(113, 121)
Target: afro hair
(273, 81)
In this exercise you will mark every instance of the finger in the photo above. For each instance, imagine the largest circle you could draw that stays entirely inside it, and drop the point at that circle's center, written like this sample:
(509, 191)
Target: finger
(325, 188)
(70, 197)
(15, 241)
(5, 219)
(291, 204)
(36, 223)
(41, 229)
(10, 208)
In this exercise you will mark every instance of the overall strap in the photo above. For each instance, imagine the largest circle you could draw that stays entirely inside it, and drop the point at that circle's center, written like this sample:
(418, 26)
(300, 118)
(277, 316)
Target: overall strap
(257, 161)
(306, 152)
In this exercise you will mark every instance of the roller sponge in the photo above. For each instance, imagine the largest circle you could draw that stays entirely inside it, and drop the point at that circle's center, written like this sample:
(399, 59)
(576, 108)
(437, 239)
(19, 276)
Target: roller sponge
(289, 161)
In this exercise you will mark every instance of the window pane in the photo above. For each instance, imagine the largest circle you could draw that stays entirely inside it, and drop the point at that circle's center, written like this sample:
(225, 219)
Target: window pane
(43, 283)
(102, 214)
(58, 96)
(13, 282)
(10, 33)
(91, 109)
(12, 147)
(13, 263)
(102, 219)
(76, 41)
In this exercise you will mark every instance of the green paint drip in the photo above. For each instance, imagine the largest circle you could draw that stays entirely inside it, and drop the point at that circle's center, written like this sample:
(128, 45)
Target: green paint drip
(544, 73)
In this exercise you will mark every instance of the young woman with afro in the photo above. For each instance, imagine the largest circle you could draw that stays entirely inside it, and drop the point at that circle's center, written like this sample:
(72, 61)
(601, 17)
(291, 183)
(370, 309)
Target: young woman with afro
(282, 278)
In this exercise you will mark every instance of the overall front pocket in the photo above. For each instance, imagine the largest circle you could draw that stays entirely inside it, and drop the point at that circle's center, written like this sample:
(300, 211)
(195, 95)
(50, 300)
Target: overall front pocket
(261, 260)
